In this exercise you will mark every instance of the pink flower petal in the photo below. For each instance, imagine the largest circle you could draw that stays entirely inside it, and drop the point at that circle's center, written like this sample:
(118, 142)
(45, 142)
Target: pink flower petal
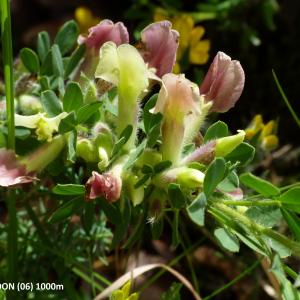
(104, 185)
(105, 31)
(11, 171)
(223, 83)
(159, 45)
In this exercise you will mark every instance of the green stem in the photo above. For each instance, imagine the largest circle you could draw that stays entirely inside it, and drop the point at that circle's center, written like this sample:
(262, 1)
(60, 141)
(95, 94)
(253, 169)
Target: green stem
(8, 70)
(286, 100)
(242, 219)
(12, 234)
(251, 202)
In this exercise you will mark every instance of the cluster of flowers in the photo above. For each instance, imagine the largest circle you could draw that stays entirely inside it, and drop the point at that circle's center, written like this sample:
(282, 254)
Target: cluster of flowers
(133, 70)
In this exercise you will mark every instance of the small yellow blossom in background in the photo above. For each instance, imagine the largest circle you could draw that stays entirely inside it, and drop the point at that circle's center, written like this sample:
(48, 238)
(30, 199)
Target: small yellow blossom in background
(190, 38)
(85, 18)
(265, 133)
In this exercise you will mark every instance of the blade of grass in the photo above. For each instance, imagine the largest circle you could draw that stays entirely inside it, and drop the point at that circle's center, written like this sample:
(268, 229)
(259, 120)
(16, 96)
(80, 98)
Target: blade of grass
(8, 70)
(12, 234)
(286, 100)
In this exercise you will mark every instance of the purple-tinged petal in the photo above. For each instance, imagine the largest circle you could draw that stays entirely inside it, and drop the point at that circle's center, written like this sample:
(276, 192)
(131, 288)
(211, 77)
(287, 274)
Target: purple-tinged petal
(104, 185)
(159, 45)
(11, 171)
(223, 83)
(236, 194)
(104, 32)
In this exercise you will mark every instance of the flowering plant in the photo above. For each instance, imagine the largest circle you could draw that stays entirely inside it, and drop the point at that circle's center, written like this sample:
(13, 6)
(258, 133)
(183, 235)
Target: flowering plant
(108, 161)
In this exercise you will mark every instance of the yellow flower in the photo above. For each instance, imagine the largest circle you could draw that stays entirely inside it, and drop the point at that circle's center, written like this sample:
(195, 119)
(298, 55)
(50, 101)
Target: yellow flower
(255, 126)
(85, 19)
(199, 49)
(267, 137)
(190, 38)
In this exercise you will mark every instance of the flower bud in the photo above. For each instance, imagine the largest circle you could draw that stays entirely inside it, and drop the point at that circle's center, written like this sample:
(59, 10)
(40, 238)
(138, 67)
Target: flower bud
(158, 46)
(104, 32)
(227, 144)
(223, 83)
(29, 104)
(186, 177)
(104, 185)
(86, 150)
(149, 157)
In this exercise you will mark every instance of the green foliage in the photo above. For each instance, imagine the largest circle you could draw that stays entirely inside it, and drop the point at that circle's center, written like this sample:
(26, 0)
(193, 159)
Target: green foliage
(70, 232)
(214, 175)
(51, 103)
(216, 130)
(30, 60)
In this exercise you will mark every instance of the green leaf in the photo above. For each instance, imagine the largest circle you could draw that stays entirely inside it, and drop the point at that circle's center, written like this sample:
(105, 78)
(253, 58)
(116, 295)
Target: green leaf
(67, 36)
(227, 239)
(51, 103)
(30, 60)
(86, 111)
(291, 197)
(72, 140)
(214, 175)
(252, 243)
(45, 83)
(57, 61)
(282, 250)
(259, 185)
(243, 154)
(196, 209)
(88, 216)
(46, 67)
(154, 134)
(66, 210)
(161, 166)
(111, 211)
(74, 60)
(68, 123)
(124, 137)
(135, 155)
(73, 97)
(142, 181)
(176, 197)
(288, 291)
(69, 189)
(293, 222)
(173, 293)
(267, 216)
(149, 118)
(229, 183)
(216, 130)
(43, 45)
